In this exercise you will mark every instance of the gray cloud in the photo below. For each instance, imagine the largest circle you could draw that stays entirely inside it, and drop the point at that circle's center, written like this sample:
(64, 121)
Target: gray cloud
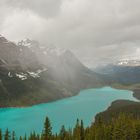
(96, 30)
(45, 8)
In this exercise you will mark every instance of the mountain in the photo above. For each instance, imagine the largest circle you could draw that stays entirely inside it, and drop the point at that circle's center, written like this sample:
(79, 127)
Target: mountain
(14, 56)
(128, 62)
(62, 65)
(31, 73)
(124, 72)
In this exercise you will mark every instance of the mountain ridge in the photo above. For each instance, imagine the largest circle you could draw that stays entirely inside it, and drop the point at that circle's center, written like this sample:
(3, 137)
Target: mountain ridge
(28, 76)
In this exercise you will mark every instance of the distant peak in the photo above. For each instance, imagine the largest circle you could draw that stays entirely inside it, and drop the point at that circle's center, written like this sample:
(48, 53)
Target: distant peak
(128, 62)
(28, 43)
(3, 39)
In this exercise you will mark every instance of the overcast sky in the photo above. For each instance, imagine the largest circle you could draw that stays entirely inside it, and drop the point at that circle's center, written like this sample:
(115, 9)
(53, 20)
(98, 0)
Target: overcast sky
(96, 30)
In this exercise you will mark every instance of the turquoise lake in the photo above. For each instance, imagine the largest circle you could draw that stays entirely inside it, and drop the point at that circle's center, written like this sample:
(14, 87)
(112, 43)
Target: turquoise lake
(84, 106)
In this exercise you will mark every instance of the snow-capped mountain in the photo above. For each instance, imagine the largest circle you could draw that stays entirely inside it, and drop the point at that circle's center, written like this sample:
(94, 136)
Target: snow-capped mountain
(45, 49)
(13, 56)
(32, 73)
(128, 62)
(124, 71)
(47, 55)
(62, 64)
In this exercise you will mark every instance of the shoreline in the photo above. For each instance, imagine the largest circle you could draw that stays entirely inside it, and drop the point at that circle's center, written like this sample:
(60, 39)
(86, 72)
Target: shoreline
(135, 90)
(94, 120)
(120, 105)
(135, 94)
(52, 100)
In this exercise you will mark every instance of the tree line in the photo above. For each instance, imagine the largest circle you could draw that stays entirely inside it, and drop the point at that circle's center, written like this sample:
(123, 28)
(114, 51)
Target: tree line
(122, 127)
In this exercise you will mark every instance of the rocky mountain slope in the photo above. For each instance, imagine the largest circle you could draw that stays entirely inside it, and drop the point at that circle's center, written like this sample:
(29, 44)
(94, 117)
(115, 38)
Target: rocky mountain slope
(31, 73)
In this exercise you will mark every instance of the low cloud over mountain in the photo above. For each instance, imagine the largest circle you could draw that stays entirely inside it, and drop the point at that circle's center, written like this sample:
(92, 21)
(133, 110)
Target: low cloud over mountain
(97, 31)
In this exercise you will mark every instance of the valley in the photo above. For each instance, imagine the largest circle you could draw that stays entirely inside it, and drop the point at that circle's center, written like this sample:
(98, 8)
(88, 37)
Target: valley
(69, 70)
(83, 106)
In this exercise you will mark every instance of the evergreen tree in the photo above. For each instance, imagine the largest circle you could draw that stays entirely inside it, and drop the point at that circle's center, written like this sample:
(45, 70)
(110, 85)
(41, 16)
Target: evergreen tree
(82, 131)
(76, 131)
(7, 135)
(123, 127)
(20, 138)
(47, 133)
(37, 137)
(13, 135)
(0, 135)
(25, 137)
(62, 133)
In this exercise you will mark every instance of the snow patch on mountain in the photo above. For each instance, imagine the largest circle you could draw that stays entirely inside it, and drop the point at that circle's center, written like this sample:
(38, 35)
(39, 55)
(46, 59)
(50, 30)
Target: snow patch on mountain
(10, 75)
(35, 46)
(36, 74)
(4, 40)
(33, 74)
(127, 62)
(25, 75)
(22, 76)
(41, 70)
(25, 42)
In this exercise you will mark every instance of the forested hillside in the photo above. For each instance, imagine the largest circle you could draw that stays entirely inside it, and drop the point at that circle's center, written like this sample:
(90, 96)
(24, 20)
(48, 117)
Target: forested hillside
(123, 127)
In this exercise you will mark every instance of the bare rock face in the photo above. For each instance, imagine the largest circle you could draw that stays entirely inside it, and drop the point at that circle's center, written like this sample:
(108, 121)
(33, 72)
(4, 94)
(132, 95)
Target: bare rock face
(9, 52)
(14, 56)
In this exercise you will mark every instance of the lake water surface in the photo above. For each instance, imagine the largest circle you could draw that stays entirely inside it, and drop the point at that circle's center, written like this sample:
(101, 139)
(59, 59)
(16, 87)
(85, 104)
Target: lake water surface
(84, 106)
